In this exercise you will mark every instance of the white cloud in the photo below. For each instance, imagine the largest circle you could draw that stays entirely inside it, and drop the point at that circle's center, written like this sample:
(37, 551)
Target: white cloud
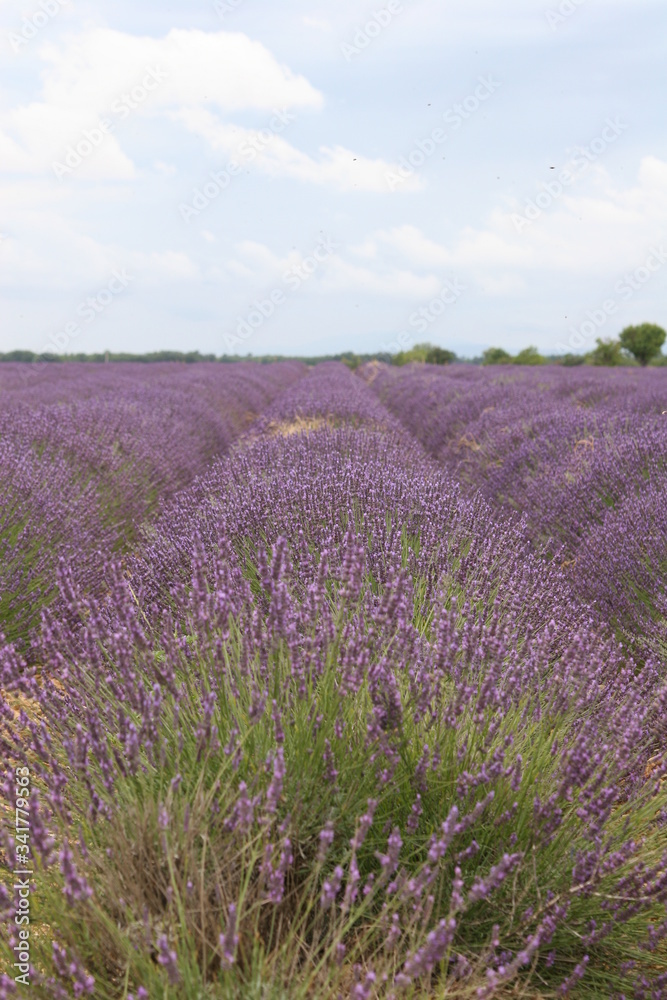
(386, 281)
(336, 166)
(485, 248)
(101, 74)
(46, 248)
(256, 263)
(602, 228)
(653, 174)
(222, 68)
(599, 228)
(87, 263)
(407, 242)
(34, 137)
(167, 169)
(62, 240)
(156, 268)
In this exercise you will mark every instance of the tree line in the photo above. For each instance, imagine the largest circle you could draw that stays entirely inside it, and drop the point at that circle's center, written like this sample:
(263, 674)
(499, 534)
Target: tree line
(639, 344)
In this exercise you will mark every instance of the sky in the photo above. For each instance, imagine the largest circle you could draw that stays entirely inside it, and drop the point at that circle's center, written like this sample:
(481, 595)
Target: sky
(308, 177)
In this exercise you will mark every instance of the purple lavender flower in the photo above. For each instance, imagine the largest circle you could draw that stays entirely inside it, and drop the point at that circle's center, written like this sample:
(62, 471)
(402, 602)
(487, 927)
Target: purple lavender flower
(331, 888)
(168, 959)
(229, 940)
(75, 887)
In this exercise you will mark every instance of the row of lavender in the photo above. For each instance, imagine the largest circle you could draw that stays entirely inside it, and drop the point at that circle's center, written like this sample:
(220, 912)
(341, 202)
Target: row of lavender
(86, 452)
(338, 731)
(582, 454)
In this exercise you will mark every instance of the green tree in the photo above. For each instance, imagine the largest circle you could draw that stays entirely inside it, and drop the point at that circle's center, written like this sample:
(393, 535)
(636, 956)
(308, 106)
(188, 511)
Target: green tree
(22, 356)
(643, 341)
(496, 356)
(529, 356)
(439, 356)
(572, 360)
(607, 352)
(425, 354)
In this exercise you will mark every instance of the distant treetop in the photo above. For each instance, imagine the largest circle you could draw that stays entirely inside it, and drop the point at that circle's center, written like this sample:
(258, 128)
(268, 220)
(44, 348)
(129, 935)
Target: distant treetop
(643, 341)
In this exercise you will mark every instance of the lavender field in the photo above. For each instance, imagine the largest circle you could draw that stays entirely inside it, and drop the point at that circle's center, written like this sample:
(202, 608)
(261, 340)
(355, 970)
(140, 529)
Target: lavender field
(322, 684)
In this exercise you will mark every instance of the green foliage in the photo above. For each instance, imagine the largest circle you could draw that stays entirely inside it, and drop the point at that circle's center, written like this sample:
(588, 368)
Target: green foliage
(440, 356)
(529, 356)
(352, 360)
(163, 862)
(607, 352)
(428, 354)
(177, 867)
(572, 360)
(496, 356)
(20, 356)
(643, 341)
(30, 357)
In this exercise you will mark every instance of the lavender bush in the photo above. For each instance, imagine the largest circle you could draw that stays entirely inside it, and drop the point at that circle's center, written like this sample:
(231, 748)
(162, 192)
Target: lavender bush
(582, 453)
(336, 728)
(86, 456)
